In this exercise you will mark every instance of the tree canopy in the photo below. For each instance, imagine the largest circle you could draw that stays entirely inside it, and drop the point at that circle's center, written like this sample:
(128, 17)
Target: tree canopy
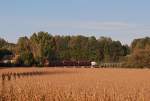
(42, 46)
(140, 56)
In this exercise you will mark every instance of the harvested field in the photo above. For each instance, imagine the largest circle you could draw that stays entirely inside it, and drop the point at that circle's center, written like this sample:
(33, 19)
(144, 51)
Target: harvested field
(77, 84)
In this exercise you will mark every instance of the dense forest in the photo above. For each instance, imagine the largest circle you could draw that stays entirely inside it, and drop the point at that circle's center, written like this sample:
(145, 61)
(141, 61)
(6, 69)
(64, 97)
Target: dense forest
(41, 46)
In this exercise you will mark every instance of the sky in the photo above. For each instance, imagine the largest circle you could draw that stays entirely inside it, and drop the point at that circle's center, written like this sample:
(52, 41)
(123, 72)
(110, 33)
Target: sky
(122, 20)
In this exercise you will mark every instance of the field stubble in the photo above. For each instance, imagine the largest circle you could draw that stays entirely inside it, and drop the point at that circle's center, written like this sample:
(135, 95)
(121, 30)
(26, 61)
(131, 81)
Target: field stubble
(78, 84)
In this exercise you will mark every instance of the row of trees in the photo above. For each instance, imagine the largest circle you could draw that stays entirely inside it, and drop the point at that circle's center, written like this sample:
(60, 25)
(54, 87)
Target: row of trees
(42, 46)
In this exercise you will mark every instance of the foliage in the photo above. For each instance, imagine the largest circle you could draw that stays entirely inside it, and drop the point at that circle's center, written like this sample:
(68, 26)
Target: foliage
(5, 45)
(26, 58)
(4, 52)
(42, 46)
(143, 43)
(140, 56)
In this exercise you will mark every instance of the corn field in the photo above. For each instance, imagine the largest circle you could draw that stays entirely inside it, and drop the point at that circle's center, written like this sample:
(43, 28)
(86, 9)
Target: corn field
(75, 84)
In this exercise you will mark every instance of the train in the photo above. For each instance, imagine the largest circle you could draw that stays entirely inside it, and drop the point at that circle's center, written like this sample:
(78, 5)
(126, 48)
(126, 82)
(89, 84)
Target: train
(67, 63)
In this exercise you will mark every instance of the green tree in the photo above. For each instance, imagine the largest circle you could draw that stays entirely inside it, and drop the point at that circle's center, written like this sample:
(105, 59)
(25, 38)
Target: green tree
(93, 49)
(23, 45)
(26, 58)
(4, 52)
(44, 46)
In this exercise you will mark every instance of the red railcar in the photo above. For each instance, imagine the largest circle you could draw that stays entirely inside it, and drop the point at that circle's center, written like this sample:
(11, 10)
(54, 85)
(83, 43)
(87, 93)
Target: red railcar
(69, 63)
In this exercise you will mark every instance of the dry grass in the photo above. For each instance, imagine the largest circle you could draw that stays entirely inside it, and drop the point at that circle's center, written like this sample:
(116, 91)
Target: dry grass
(79, 84)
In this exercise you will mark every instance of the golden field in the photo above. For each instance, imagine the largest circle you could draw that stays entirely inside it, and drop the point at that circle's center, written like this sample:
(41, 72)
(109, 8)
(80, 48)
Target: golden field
(78, 84)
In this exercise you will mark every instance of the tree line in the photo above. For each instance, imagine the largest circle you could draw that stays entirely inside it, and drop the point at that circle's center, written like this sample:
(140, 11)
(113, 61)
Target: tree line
(41, 46)
(140, 53)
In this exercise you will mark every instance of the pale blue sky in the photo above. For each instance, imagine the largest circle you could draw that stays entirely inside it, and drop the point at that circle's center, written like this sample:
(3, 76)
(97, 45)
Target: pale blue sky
(122, 20)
